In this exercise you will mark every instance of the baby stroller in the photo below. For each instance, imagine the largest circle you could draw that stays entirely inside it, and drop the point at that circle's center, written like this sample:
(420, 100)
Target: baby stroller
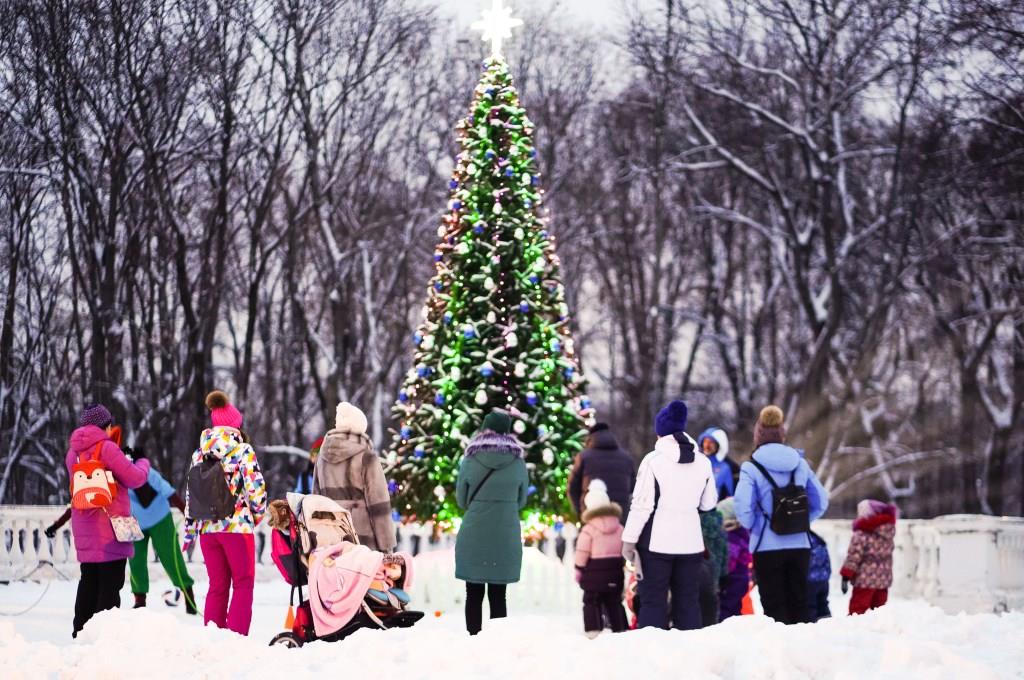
(315, 545)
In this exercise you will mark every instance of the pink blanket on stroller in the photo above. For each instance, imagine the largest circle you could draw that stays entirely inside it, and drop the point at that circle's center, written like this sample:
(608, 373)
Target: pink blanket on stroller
(339, 577)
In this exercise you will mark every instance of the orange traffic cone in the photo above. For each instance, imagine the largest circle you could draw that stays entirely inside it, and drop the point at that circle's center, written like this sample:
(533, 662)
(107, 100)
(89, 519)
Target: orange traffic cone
(747, 607)
(289, 619)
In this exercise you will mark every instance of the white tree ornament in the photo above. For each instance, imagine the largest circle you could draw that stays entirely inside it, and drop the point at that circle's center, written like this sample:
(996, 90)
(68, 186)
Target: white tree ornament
(496, 25)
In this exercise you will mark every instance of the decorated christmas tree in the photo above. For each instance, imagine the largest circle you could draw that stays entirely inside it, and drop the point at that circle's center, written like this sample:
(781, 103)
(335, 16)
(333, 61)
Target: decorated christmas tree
(496, 326)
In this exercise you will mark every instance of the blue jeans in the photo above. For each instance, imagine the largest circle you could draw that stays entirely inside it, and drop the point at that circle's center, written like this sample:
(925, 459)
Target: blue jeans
(664, 574)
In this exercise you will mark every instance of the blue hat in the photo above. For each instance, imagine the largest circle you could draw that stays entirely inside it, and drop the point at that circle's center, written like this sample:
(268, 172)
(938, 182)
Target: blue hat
(671, 419)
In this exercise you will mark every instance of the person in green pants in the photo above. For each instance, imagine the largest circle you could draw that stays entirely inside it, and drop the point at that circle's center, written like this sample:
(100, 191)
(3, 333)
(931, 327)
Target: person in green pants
(151, 505)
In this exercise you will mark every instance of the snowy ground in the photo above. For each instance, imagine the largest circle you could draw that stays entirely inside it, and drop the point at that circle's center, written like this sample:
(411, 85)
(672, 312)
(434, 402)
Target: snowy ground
(539, 640)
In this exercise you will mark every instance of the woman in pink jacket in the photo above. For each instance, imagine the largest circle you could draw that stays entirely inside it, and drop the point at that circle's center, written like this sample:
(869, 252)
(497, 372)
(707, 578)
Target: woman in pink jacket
(102, 556)
(599, 562)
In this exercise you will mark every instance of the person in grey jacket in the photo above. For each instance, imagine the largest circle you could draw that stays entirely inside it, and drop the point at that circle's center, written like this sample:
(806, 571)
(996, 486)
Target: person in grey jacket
(349, 471)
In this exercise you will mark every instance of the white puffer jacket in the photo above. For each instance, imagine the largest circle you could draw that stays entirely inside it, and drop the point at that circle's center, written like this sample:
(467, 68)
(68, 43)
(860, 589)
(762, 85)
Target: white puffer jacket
(678, 490)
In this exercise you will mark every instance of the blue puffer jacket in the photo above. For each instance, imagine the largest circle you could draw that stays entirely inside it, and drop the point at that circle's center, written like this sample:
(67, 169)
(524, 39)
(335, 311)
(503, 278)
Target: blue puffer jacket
(159, 507)
(754, 496)
(719, 465)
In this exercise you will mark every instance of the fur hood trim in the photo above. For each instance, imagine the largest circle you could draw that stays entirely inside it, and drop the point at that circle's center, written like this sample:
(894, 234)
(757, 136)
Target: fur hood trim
(610, 510)
(488, 440)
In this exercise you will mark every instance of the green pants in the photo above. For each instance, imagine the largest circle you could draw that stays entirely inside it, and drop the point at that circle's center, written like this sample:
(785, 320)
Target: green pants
(165, 543)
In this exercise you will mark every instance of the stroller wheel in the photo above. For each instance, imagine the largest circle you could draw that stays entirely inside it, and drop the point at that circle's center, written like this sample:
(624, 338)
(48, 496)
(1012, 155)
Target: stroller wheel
(286, 639)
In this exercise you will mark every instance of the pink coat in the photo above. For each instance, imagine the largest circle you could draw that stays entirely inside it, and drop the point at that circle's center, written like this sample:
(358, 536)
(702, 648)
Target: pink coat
(600, 538)
(339, 577)
(94, 536)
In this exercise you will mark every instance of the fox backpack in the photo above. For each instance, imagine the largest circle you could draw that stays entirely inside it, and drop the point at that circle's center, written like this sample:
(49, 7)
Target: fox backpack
(92, 484)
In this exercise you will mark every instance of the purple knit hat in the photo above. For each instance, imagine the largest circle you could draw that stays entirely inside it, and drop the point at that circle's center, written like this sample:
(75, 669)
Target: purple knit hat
(95, 414)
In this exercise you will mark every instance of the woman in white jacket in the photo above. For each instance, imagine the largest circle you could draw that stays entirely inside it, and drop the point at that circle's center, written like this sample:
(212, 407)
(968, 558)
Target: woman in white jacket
(674, 482)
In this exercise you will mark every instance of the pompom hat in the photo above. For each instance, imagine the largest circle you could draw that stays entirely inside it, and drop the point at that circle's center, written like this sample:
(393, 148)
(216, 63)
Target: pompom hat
(671, 419)
(597, 495)
(222, 412)
(770, 427)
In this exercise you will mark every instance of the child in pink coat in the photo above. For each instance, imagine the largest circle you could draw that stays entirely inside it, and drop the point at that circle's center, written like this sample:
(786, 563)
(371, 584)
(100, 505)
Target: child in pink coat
(599, 563)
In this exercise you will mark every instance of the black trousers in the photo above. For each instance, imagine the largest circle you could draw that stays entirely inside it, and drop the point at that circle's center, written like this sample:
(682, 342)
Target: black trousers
(99, 589)
(678, 575)
(598, 606)
(475, 604)
(782, 582)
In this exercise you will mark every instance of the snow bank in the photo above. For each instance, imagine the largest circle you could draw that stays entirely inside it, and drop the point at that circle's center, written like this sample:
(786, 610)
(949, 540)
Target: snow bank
(903, 640)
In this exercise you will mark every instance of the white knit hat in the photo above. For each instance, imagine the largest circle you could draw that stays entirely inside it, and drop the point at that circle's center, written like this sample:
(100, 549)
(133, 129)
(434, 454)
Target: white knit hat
(348, 418)
(597, 495)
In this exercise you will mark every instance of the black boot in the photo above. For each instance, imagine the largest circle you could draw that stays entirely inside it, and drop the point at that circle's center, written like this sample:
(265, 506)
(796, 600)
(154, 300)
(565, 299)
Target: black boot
(190, 601)
(140, 600)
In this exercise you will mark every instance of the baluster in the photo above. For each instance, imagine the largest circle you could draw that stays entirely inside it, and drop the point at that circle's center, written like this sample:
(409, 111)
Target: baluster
(17, 549)
(6, 533)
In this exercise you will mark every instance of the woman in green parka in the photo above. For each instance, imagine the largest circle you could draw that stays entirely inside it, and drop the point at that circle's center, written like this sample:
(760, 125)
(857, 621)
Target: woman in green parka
(491, 489)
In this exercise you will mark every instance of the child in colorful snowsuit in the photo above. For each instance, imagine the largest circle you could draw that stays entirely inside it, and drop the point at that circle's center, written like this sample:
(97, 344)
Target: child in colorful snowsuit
(151, 505)
(599, 562)
(228, 544)
(818, 575)
(736, 583)
(869, 559)
(715, 566)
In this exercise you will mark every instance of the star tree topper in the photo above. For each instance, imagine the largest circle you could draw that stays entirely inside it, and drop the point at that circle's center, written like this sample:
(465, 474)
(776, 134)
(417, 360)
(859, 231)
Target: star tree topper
(496, 25)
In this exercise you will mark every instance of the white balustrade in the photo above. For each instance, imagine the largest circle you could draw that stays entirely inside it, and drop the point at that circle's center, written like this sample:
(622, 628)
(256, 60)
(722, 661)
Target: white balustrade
(967, 563)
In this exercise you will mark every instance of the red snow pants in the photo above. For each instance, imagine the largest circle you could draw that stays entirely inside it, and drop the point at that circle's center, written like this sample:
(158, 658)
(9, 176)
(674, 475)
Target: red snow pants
(864, 599)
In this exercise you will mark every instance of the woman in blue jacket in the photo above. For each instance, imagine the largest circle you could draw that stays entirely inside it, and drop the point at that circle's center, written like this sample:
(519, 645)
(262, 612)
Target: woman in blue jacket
(780, 561)
(151, 505)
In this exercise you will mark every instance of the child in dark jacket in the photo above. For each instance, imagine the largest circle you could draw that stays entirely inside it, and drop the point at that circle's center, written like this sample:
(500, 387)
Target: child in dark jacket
(715, 566)
(818, 575)
(599, 563)
(869, 559)
(733, 588)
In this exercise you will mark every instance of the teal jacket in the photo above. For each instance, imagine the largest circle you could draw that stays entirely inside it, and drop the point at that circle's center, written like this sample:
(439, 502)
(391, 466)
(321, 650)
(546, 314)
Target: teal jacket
(489, 547)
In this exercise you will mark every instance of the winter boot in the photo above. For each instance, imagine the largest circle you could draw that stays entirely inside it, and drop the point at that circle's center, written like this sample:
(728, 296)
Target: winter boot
(592, 634)
(190, 601)
(140, 600)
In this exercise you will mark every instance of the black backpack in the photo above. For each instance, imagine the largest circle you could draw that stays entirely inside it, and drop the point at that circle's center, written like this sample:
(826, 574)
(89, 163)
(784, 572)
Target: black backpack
(209, 496)
(791, 509)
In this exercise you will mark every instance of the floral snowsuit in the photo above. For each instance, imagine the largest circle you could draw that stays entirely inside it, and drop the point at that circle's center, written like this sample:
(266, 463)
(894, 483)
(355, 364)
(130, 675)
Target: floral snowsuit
(869, 561)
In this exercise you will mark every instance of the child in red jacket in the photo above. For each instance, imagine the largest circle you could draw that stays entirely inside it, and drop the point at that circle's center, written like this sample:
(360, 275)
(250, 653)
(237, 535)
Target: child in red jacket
(599, 563)
(869, 559)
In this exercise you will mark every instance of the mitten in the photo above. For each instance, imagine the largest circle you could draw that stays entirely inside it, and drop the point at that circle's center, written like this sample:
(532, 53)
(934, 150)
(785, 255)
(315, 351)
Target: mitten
(51, 531)
(845, 586)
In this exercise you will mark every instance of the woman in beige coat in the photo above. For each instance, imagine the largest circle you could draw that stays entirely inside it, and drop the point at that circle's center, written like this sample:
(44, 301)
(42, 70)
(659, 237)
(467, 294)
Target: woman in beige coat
(349, 471)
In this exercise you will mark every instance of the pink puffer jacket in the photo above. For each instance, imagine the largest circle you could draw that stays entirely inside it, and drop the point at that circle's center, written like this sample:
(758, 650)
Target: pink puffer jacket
(94, 536)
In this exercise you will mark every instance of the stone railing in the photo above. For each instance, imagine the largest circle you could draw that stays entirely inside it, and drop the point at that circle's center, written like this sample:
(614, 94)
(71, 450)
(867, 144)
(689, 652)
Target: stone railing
(967, 563)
